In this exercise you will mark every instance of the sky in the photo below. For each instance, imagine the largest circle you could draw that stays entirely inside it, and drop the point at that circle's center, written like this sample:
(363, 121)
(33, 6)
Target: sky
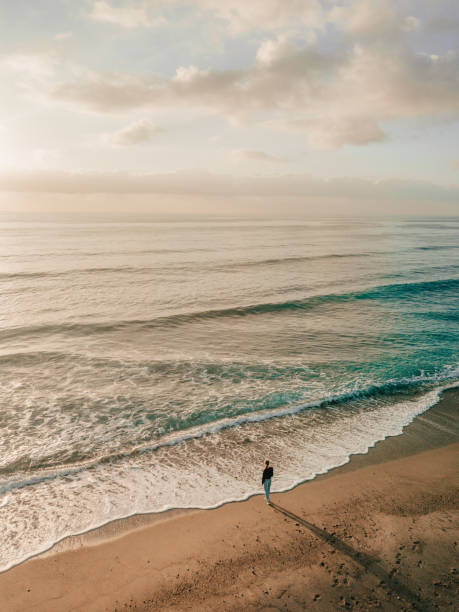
(244, 107)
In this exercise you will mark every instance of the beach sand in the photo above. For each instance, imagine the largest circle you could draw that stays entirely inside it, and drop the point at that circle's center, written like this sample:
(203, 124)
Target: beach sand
(378, 533)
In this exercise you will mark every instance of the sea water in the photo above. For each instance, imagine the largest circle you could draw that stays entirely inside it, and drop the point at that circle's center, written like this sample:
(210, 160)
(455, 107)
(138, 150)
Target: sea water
(155, 365)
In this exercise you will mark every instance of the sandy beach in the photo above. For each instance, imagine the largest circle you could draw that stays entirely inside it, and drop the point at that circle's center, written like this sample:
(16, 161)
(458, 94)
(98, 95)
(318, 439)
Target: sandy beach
(229, 238)
(378, 533)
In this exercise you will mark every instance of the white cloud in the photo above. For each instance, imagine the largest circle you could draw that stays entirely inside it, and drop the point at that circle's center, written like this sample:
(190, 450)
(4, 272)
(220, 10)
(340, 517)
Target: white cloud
(334, 94)
(244, 15)
(333, 132)
(31, 75)
(63, 35)
(130, 16)
(411, 24)
(241, 155)
(364, 17)
(272, 51)
(187, 75)
(139, 132)
(35, 66)
(190, 183)
(337, 99)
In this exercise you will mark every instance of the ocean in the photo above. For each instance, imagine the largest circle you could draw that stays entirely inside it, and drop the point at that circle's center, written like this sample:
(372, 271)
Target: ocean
(155, 365)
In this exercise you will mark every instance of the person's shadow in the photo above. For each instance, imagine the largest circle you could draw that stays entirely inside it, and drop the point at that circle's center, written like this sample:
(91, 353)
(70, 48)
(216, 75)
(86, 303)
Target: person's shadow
(369, 563)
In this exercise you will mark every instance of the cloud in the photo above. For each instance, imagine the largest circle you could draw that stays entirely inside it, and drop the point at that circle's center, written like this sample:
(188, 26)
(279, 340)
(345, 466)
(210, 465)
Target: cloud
(343, 92)
(377, 19)
(34, 66)
(241, 155)
(368, 17)
(207, 184)
(237, 16)
(337, 98)
(33, 75)
(411, 24)
(242, 16)
(63, 35)
(332, 133)
(121, 92)
(276, 50)
(130, 16)
(139, 132)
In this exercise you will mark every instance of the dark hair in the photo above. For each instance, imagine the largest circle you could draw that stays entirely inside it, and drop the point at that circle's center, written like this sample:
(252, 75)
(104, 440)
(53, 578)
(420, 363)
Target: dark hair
(266, 462)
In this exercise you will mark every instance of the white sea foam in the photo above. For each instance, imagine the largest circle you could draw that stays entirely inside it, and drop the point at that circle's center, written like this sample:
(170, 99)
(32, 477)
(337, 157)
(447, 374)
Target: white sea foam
(214, 427)
(202, 472)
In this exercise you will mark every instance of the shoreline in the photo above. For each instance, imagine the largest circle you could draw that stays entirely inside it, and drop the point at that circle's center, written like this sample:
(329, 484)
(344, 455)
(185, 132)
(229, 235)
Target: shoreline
(420, 439)
(434, 431)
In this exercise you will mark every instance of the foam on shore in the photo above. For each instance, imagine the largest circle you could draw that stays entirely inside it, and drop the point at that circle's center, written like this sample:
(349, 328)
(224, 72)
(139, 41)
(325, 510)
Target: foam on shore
(436, 427)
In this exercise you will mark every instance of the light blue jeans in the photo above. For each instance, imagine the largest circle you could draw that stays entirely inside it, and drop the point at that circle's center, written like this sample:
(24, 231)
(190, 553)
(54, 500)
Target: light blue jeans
(267, 486)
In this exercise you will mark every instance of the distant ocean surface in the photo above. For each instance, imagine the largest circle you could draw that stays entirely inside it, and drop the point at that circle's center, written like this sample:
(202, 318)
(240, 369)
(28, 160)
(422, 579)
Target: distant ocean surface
(147, 366)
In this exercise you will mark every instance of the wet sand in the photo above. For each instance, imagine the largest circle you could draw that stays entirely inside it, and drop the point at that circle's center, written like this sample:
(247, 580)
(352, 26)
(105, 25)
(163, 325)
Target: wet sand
(378, 533)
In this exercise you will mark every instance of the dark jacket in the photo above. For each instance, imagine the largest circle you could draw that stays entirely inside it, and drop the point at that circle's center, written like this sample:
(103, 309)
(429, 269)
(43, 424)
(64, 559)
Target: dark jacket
(267, 474)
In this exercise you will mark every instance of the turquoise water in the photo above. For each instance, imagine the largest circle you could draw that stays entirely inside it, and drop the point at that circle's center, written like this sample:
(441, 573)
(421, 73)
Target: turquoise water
(155, 365)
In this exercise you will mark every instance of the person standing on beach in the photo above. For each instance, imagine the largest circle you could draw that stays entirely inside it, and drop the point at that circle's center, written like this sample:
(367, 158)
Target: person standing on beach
(266, 480)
